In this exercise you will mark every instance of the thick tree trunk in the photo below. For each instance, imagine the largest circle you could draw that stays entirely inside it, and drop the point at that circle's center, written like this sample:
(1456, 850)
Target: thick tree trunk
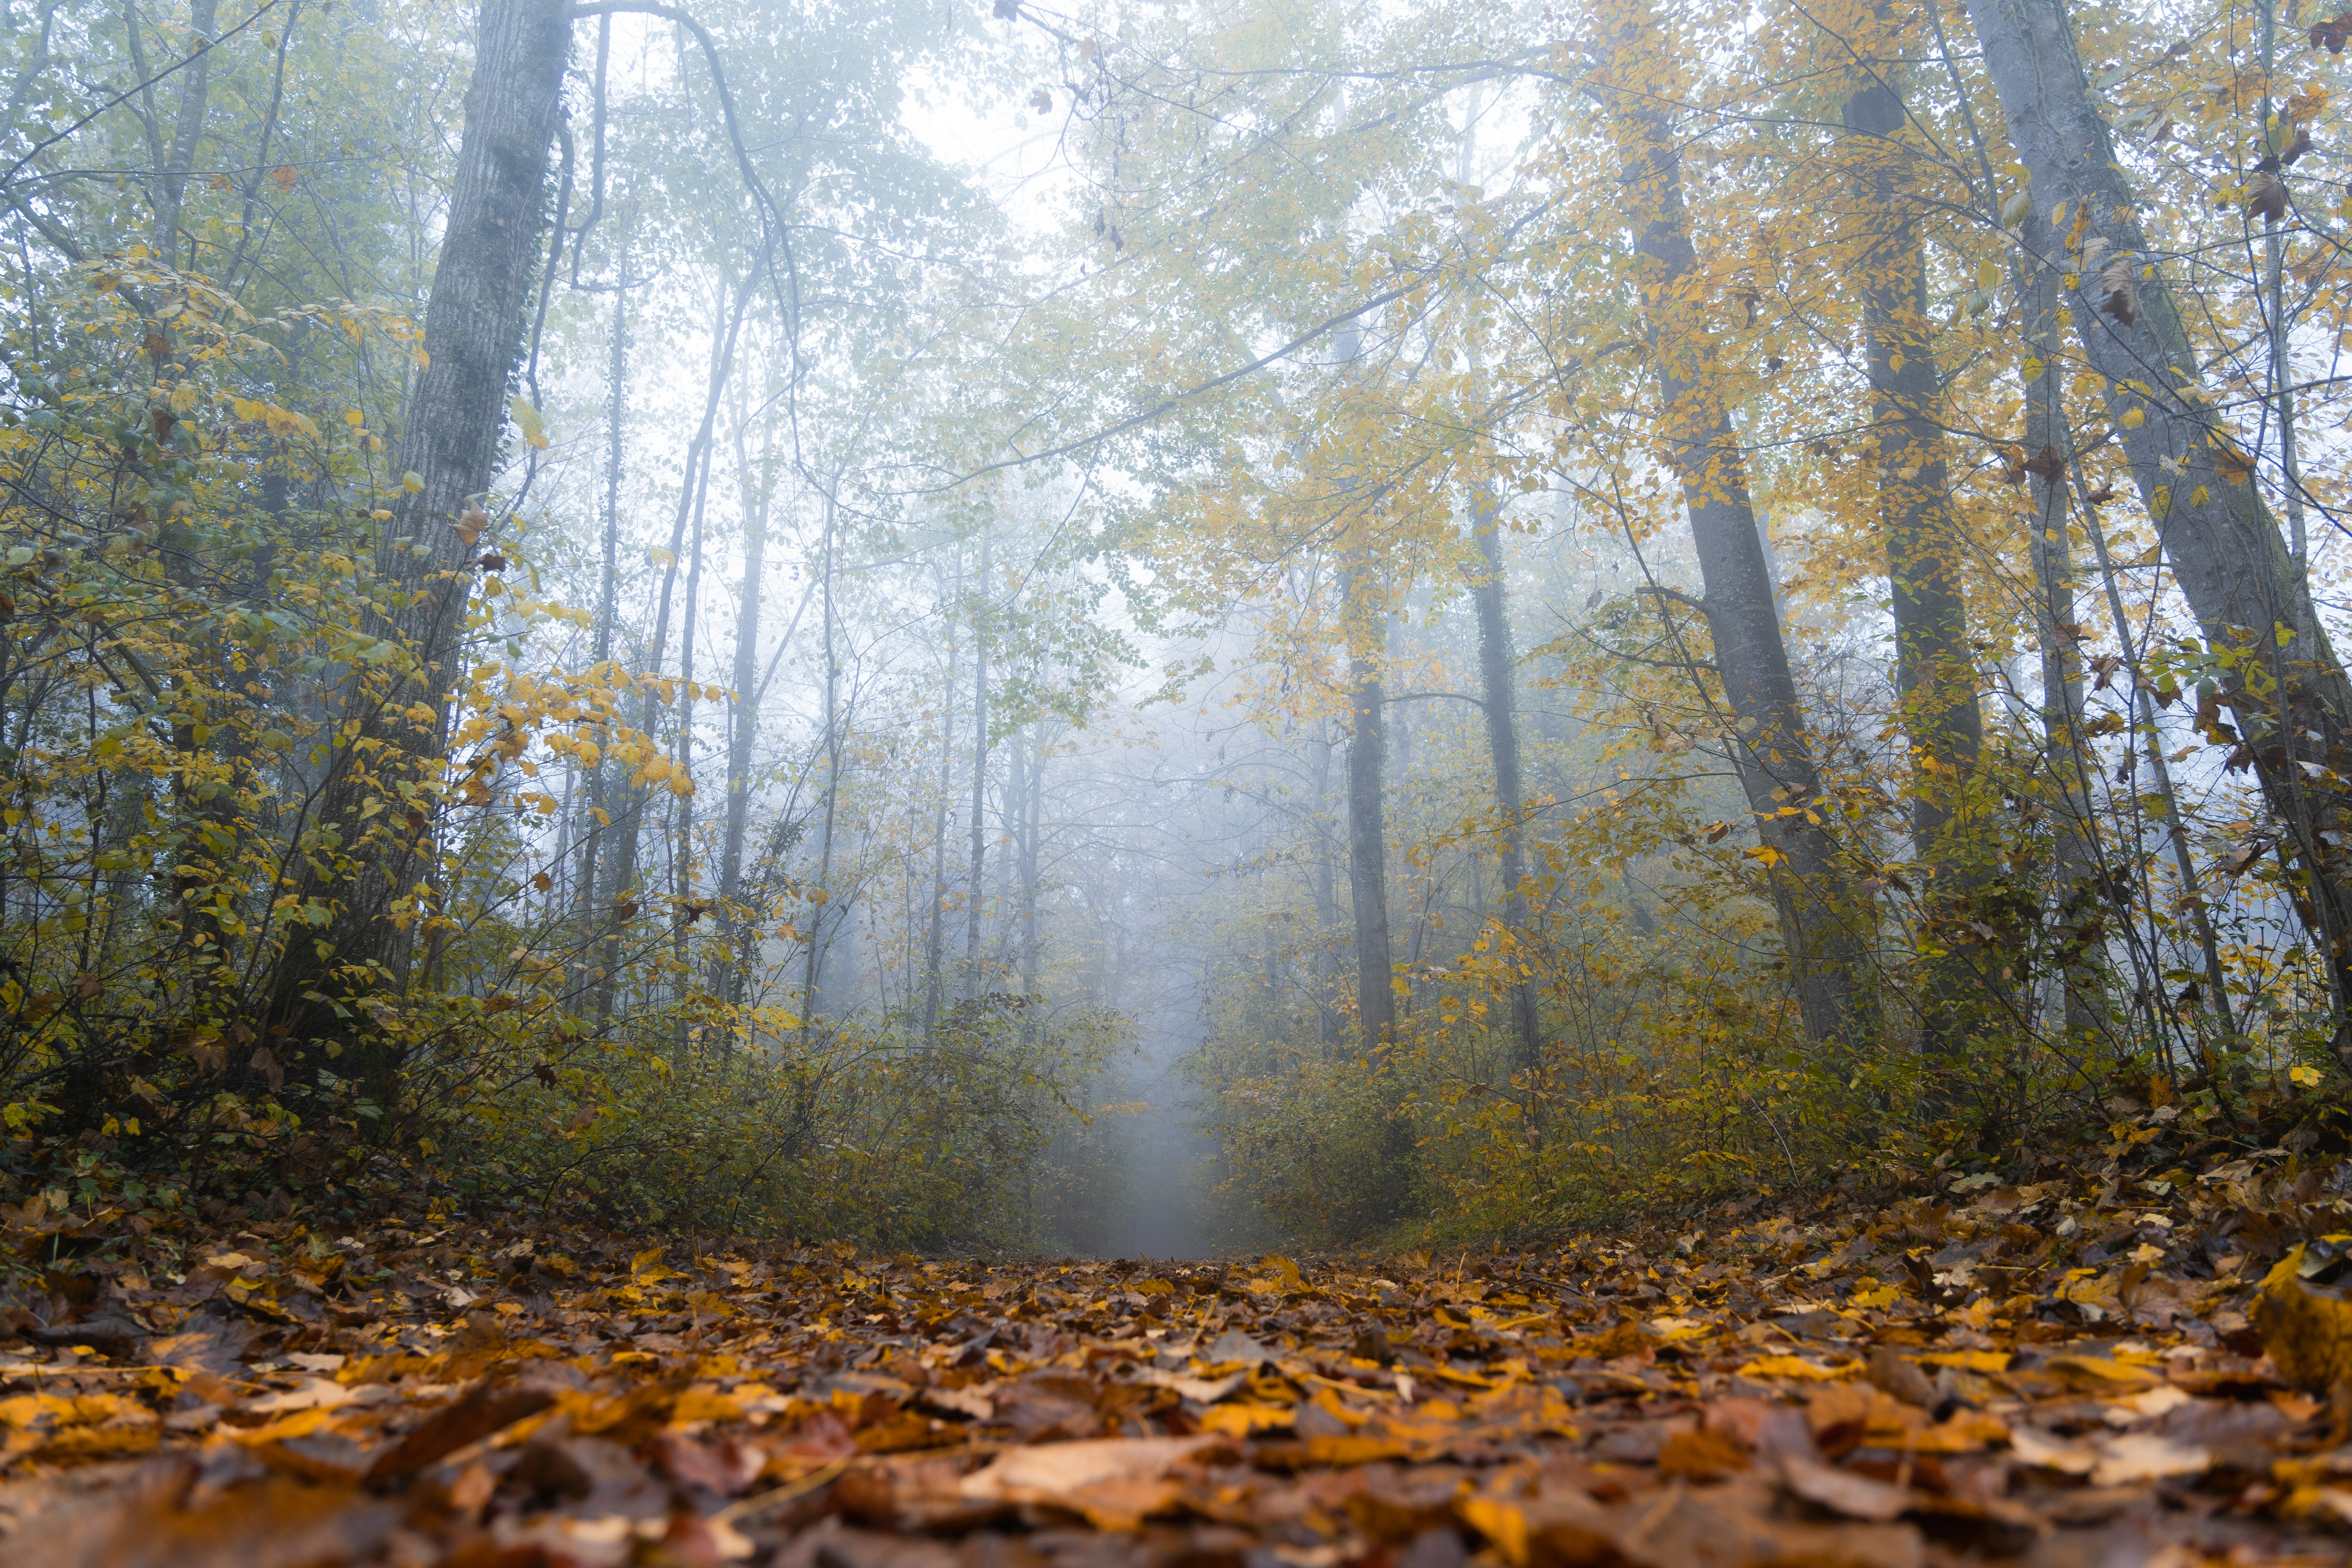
(1822, 916)
(473, 336)
(2225, 547)
(1367, 842)
(1934, 676)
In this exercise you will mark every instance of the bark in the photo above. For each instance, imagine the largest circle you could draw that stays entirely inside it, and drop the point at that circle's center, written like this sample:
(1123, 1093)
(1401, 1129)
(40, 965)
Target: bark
(1487, 584)
(1033, 808)
(1327, 1016)
(822, 895)
(684, 909)
(2082, 911)
(1822, 916)
(473, 336)
(1367, 841)
(742, 723)
(935, 940)
(691, 492)
(1503, 744)
(607, 599)
(194, 82)
(2226, 551)
(1934, 675)
(977, 887)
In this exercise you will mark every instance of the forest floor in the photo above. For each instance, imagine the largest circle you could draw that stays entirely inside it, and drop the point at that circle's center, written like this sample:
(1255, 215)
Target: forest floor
(2096, 1368)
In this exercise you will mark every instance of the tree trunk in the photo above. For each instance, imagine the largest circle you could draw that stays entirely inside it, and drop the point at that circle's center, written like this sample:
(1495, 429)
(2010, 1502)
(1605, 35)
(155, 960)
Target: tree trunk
(1822, 916)
(1503, 743)
(977, 887)
(600, 816)
(935, 940)
(194, 81)
(1367, 843)
(1934, 675)
(473, 336)
(2233, 567)
(684, 910)
(822, 895)
(691, 491)
(742, 723)
(1032, 813)
(2082, 910)
(1487, 585)
(1326, 914)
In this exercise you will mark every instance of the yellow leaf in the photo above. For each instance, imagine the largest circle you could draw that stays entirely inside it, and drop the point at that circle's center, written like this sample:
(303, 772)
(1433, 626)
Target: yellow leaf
(1796, 1367)
(704, 1402)
(527, 419)
(1968, 1432)
(1969, 1361)
(1500, 1522)
(1235, 1420)
(2092, 1372)
(2309, 1337)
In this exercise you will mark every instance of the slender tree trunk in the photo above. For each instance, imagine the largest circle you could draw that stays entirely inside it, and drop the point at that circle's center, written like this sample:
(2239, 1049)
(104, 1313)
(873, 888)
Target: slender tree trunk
(1327, 912)
(2082, 910)
(1033, 808)
(1367, 842)
(1486, 597)
(1934, 674)
(2175, 830)
(1821, 915)
(1503, 744)
(195, 78)
(935, 940)
(822, 894)
(473, 336)
(743, 722)
(691, 491)
(600, 816)
(2238, 575)
(683, 909)
(977, 886)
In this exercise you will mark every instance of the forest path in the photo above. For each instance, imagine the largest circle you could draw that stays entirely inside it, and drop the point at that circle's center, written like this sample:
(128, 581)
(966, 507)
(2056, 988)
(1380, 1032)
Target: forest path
(2001, 1373)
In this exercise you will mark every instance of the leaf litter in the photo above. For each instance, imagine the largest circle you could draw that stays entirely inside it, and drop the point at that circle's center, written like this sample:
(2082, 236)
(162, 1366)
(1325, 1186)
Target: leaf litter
(2094, 1369)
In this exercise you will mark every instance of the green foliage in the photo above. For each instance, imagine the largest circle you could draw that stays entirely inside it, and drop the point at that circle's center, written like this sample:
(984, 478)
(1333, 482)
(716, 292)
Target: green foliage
(852, 1131)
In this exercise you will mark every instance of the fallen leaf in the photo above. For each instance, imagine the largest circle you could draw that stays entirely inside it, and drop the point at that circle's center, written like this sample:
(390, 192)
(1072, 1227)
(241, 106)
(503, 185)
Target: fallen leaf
(1052, 1470)
(1841, 1491)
